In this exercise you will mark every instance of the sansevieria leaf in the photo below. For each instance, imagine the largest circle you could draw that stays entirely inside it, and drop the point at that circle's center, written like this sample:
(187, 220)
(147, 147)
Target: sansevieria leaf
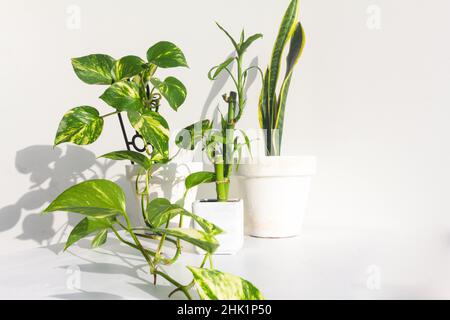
(81, 125)
(123, 96)
(94, 69)
(198, 238)
(127, 67)
(133, 156)
(217, 285)
(153, 128)
(286, 30)
(165, 54)
(93, 198)
(295, 52)
(86, 227)
(172, 89)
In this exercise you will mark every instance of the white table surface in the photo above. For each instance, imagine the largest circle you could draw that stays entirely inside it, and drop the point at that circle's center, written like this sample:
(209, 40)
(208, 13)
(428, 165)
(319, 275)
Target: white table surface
(323, 263)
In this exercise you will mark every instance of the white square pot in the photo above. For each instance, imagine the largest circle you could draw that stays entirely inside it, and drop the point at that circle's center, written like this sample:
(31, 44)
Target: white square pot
(229, 216)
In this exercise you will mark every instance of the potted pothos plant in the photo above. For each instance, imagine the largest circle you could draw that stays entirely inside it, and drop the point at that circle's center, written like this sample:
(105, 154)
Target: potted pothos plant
(133, 89)
(102, 202)
(276, 187)
(223, 143)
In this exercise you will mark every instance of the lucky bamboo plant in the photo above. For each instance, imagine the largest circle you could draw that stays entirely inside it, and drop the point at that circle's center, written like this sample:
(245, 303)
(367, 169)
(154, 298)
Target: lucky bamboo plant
(222, 146)
(134, 89)
(272, 105)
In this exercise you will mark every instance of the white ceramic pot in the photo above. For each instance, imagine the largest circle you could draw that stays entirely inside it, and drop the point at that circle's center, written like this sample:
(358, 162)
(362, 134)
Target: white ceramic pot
(275, 192)
(167, 182)
(229, 216)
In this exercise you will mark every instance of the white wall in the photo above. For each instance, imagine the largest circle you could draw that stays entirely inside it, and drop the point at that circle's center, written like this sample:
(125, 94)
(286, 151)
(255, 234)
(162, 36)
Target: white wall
(372, 104)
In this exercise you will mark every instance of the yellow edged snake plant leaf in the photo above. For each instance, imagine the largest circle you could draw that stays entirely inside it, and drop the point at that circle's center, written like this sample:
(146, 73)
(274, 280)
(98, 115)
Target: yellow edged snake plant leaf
(165, 54)
(80, 125)
(191, 135)
(123, 96)
(94, 68)
(100, 238)
(172, 89)
(153, 128)
(127, 67)
(198, 238)
(286, 29)
(133, 156)
(295, 52)
(94, 198)
(85, 228)
(217, 285)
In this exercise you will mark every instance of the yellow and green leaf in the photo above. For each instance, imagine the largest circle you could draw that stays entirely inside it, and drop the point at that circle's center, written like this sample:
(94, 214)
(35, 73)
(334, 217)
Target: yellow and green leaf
(127, 67)
(217, 285)
(94, 198)
(165, 54)
(133, 156)
(172, 89)
(81, 125)
(153, 128)
(124, 96)
(94, 68)
(85, 228)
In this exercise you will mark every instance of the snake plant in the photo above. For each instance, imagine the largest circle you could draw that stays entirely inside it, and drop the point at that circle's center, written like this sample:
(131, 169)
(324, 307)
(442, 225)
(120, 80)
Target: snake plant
(222, 146)
(272, 104)
(134, 89)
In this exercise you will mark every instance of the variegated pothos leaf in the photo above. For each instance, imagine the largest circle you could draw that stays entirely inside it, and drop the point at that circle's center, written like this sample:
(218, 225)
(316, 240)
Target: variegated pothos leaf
(81, 125)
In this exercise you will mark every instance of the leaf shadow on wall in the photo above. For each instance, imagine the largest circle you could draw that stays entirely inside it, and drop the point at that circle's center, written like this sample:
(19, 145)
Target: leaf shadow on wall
(51, 171)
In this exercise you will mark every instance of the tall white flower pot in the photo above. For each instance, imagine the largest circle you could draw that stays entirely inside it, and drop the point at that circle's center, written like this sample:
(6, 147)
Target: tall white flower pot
(275, 192)
(167, 181)
(229, 216)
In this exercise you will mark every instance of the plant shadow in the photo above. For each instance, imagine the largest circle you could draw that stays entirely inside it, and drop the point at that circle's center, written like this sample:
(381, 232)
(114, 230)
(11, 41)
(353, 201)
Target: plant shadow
(50, 171)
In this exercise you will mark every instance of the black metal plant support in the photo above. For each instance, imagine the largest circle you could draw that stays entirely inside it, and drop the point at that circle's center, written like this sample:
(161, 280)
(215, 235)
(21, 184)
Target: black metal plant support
(155, 102)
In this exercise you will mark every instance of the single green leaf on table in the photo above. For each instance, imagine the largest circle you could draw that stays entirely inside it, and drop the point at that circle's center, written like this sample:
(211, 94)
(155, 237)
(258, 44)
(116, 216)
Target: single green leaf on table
(127, 67)
(160, 211)
(93, 198)
(218, 69)
(217, 285)
(133, 156)
(198, 178)
(172, 90)
(94, 69)
(81, 125)
(100, 239)
(165, 54)
(198, 238)
(153, 128)
(85, 228)
(249, 42)
(124, 96)
(193, 134)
